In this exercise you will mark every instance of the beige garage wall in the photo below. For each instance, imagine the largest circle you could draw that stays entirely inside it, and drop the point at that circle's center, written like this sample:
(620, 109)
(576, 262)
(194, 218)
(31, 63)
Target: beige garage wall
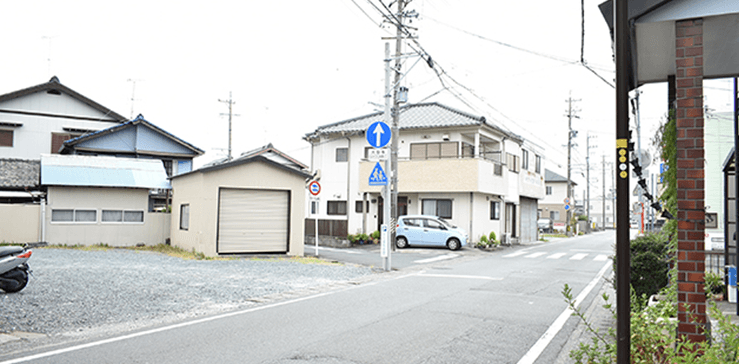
(200, 191)
(19, 224)
(154, 230)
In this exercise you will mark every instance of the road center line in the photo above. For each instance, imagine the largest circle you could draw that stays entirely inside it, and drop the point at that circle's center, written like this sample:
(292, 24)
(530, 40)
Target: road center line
(557, 325)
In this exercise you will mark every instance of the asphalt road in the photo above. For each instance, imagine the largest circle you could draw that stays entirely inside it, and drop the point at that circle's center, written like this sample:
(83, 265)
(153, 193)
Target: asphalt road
(499, 307)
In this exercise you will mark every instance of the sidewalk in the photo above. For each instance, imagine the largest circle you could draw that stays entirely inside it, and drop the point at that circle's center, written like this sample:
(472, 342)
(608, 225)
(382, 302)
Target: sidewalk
(599, 317)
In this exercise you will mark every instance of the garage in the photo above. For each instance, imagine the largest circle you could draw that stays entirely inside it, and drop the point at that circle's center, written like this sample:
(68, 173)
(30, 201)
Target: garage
(253, 204)
(253, 221)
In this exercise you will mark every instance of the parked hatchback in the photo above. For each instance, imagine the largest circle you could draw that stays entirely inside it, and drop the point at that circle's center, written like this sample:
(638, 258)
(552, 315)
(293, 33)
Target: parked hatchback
(422, 230)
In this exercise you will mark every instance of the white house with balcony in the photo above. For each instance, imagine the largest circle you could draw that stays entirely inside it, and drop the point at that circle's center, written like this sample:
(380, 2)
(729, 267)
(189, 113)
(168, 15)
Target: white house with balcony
(451, 164)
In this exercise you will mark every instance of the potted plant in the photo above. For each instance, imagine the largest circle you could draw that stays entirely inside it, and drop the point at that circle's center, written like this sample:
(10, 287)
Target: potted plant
(714, 286)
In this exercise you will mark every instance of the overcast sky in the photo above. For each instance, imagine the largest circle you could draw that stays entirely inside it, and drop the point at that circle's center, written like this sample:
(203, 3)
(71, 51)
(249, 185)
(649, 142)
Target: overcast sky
(294, 65)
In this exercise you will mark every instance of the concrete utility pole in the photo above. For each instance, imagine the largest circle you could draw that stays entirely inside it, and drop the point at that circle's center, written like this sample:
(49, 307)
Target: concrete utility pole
(603, 164)
(570, 134)
(394, 128)
(587, 166)
(230, 103)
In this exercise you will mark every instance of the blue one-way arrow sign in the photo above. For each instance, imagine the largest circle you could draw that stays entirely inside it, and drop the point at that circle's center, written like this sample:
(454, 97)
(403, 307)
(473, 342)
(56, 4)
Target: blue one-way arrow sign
(378, 177)
(378, 134)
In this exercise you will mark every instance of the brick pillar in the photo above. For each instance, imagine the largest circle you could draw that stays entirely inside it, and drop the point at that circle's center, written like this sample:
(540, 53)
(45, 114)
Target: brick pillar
(690, 179)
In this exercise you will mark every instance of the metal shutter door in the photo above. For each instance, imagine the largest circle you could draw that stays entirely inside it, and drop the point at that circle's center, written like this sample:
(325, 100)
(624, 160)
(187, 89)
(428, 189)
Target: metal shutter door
(253, 221)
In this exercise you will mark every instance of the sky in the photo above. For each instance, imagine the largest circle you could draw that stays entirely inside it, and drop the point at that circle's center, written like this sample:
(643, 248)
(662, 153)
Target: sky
(292, 66)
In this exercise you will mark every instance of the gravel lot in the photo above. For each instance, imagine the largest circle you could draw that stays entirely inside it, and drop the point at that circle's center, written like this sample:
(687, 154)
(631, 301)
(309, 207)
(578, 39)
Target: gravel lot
(75, 292)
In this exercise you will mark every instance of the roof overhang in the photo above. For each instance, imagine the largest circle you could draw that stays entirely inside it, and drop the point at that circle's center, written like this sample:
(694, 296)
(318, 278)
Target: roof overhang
(652, 37)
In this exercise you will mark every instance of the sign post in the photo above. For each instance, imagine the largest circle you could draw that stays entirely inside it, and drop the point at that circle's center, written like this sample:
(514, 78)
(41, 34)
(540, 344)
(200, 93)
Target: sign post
(315, 188)
(378, 135)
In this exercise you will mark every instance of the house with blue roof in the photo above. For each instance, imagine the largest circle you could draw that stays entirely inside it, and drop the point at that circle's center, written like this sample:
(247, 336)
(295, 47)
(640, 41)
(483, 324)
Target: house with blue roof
(100, 199)
(452, 164)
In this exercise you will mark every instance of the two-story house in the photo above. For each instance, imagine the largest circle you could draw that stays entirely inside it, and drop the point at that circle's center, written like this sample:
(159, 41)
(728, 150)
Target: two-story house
(553, 204)
(451, 164)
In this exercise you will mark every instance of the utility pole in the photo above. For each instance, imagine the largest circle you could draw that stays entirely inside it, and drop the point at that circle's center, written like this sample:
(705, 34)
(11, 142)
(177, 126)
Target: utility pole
(570, 134)
(587, 166)
(603, 164)
(623, 269)
(394, 129)
(230, 103)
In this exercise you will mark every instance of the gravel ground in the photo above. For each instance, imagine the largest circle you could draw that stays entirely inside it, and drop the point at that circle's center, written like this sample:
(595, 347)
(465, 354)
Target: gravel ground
(74, 292)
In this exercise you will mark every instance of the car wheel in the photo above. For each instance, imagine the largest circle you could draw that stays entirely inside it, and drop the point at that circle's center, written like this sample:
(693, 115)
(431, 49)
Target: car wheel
(454, 244)
(401, 242)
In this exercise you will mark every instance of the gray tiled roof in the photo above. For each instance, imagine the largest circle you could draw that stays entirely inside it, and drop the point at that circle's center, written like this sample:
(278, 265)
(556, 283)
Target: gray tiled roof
(550, 176)
(19, 173)
(412, 116)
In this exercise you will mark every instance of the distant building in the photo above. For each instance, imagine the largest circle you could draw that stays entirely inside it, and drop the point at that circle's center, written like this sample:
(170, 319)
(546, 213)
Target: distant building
(553, 204)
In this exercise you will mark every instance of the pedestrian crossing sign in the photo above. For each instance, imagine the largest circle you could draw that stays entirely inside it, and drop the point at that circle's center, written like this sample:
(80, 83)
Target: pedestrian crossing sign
(378, 177)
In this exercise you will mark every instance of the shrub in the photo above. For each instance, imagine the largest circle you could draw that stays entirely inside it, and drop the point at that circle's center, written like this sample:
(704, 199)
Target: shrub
(492, 236)
(649, 264)
(375, 235)
(714, 283)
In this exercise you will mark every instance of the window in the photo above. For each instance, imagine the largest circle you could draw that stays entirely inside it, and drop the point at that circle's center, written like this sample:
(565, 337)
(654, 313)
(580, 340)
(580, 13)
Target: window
(337, 207)
(440, 208)
(512, 161)
(525, 159)
(549, 190)
(494, 210)
(342, 154)
(554, 215)
(70, 215)
(58, 139)
(538, 164)
(122, 216)
(6, 138)
(432, 224)
(358, 207)
(185, 217)
(434, 150)
(112, 216)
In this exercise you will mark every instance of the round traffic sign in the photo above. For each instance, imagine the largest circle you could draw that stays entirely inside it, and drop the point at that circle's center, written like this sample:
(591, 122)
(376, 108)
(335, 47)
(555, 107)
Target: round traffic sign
(314, 188)
(567, 200)
(378, 134)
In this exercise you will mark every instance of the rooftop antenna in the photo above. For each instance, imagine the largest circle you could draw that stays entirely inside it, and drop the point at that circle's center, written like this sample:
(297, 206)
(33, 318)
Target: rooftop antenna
(48, 57)
(230, 103)
(133, 93)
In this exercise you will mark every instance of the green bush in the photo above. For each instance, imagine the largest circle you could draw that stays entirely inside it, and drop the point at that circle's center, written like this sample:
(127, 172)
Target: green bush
(649, 264)
(375, 235)
(492, 236)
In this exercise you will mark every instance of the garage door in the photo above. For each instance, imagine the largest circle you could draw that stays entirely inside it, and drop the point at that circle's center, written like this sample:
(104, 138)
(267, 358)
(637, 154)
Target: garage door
(253, 221)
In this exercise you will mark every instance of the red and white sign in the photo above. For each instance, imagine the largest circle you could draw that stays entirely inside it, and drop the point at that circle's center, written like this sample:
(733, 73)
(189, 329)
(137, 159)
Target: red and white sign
(314, 188)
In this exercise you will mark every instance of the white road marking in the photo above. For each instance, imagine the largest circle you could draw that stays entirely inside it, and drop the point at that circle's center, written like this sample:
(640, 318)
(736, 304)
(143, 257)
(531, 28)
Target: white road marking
(347, 251)
(601, 258)
(424, 274)
(579, 256)
(520, 252)
(535, 255)
(557, 325)
(436, 259)
(556, 256)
